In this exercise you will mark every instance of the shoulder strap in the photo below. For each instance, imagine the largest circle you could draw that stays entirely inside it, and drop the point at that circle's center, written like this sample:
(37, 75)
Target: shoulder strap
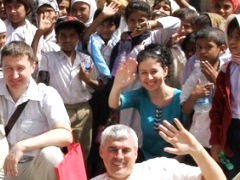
(14, 117)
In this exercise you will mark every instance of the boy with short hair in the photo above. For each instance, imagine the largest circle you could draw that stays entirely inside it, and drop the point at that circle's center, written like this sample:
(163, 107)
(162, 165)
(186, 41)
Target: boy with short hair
(210, 43)
(72, 79)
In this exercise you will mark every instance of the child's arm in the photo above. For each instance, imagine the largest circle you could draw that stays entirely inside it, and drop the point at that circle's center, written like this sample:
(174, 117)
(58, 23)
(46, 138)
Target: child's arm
(108, 10)
(124, 76)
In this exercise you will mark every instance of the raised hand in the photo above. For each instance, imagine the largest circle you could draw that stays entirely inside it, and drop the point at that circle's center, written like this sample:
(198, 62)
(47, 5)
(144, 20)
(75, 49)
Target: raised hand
(126, 73)
(209, 71)
(110, 9)
(183, 142)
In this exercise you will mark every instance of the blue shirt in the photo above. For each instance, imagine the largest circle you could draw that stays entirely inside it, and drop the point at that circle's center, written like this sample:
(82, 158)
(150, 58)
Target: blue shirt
(153, 144)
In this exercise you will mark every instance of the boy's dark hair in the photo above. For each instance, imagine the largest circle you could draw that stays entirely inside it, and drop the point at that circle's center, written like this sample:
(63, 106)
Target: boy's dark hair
(69, 22)
(28, 4)
(203, 21)
(186, 14)
(190, 38)
(211, 33)
(233, 24)
(115, 19)
(135, 5)
(156, 2)
(162, 54)
(18, 48)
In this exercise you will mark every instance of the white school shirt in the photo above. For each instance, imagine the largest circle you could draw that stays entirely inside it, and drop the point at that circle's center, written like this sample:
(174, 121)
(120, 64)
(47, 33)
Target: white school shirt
(23, 33)
(161, 169)
(44, 109)
(64, 76)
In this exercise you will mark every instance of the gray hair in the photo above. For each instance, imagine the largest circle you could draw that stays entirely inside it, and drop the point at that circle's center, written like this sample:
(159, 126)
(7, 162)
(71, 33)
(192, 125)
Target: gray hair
(119, 132)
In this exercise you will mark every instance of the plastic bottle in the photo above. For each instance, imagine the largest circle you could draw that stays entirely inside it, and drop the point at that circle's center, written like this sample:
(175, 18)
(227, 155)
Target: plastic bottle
(202, 104)
(225, 161)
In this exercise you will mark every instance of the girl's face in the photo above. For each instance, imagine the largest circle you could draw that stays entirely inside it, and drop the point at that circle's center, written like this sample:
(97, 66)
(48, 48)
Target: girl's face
(81, 11)
(185, 29)
(151, 74)
(234, 42)
(64, 8)
(223, 8)
(16, 13)
(161, 9)
(134, 19)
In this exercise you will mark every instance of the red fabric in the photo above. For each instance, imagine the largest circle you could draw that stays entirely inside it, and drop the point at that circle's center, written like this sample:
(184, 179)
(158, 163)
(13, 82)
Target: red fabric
(220, 113)
(235, 4)
(72, 167)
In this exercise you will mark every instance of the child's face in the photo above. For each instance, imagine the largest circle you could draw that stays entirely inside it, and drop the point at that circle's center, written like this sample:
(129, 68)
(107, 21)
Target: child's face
(3, 14)
(47, 12)
(106, 30)
(16, 12)
(162, 9)
(151, 74)
(207, 50)
(185, 29)
(234, 42)
(134, 19)
(64, 8)
(81, 11)
(68, 39)
(223, 8)
(2, 39)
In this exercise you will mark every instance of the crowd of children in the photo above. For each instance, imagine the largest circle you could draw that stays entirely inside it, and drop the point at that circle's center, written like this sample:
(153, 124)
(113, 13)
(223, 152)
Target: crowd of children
(137, 62)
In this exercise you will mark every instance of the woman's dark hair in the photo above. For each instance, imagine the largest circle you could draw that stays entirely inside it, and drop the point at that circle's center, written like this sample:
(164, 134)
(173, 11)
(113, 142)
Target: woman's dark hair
(28, 4)
(232, 26)
(135, 5)
(115, 19)
(162, 54)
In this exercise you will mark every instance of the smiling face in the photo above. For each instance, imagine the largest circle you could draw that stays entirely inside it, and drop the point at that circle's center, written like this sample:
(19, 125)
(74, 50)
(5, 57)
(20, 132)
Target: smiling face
(17, 71)
(81, 11)
(151, 74)
(161, 9)
(234, 42)
(223, 8)
(119, 157)
(68, 39)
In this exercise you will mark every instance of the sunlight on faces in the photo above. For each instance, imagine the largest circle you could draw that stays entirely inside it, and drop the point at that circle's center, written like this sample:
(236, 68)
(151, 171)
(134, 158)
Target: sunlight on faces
(134, 19)
(234, 42)
(151, 74)
(81, 11)
(106, 30)
(119, 157)
(207, 50)
(223, 8)
(2, 39)
(17, 71)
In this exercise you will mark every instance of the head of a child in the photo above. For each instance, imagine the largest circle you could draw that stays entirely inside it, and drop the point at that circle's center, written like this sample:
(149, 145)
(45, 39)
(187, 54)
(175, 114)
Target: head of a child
(210, 43)
(225, 7)
(106, 29)
(64, 7)
(136, 12)
(3, 31)
(233, 34)
(83, 10)
(17, 10)
(187, 17)
(153, 63)
(3, 14)
(188, 45)
(47, 9)
(162, 8)
(207, 19)
(68, 32)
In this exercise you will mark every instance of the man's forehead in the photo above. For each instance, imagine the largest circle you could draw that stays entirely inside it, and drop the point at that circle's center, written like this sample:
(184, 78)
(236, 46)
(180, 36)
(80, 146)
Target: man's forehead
(119, 142)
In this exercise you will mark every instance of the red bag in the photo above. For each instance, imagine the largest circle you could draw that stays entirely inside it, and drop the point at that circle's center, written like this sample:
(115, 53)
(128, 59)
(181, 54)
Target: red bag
(72, 167)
